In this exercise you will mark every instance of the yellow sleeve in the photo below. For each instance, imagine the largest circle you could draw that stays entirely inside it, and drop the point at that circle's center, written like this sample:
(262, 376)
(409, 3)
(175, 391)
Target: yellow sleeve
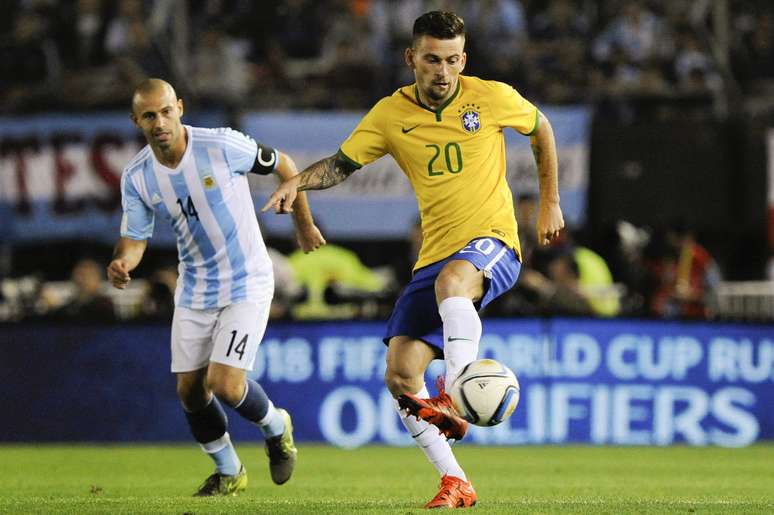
(366, 143)
(515, 111)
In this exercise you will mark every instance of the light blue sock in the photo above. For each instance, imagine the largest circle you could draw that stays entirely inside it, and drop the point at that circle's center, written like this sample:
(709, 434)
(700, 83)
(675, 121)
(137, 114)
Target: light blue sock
(224, 455)
(272, 424)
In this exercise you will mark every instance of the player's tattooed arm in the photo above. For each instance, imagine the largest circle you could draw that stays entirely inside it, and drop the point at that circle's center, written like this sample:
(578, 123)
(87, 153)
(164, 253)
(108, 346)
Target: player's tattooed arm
(544, 150)
(325, 173)
(535, 150)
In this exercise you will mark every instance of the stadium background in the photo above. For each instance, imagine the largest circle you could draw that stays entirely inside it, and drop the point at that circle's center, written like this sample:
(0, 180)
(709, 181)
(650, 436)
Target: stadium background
(664, 122)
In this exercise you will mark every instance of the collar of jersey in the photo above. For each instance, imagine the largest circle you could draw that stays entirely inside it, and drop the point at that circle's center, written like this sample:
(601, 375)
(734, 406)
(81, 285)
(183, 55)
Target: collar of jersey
(449, 100)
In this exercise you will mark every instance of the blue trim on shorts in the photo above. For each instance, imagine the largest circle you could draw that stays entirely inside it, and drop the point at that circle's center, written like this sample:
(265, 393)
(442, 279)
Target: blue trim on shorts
(416, 311)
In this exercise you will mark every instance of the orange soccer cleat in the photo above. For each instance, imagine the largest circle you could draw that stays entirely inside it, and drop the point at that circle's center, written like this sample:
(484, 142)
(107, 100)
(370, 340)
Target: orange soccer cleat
(437, 410)
(454, 493)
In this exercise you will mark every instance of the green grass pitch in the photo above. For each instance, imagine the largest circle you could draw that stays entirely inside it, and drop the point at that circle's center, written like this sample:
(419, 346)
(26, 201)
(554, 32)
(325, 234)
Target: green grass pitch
(160, 479)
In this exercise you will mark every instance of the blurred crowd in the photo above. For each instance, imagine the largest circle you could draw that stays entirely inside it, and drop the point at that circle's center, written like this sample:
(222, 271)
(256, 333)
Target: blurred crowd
(662, 273)
(340, 54)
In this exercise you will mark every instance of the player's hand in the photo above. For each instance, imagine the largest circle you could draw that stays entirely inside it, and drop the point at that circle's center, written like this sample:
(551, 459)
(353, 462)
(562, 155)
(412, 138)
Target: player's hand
(549, 222)
(310, 238)
(283, 197)
(118, 273)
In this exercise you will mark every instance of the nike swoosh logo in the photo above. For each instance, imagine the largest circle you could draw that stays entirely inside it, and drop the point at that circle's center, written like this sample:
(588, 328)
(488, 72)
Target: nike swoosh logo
(406, 131)
(458, 339)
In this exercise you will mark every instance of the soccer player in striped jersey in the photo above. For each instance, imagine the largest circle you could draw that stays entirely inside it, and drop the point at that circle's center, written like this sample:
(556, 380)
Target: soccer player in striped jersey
(195, 179)
(445, 131)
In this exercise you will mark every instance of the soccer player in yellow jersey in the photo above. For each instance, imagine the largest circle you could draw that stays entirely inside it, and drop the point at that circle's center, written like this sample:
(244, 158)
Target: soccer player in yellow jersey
(446, 133)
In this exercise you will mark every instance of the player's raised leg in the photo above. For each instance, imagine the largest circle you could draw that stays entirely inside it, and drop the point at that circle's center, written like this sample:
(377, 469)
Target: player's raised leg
(407, 359)
(478, 273)
(208, 424)
(458, 285)
(237, 337)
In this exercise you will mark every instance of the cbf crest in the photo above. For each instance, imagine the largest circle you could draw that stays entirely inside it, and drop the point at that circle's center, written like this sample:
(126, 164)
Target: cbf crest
(470, 117)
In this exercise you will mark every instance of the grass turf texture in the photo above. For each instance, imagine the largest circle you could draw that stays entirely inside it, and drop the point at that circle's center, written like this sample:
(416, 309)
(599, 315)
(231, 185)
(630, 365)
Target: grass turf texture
(160, 479)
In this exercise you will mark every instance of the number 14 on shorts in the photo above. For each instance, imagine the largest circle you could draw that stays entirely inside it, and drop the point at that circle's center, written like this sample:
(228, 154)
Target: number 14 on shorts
(239, 348)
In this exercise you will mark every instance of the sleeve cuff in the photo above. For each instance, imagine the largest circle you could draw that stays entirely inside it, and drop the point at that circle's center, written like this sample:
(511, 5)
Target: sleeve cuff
(349, 160)
(537, 123)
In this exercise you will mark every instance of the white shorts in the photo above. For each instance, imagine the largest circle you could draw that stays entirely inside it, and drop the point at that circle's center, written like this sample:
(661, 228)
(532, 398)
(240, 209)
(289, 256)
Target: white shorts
(228, 335)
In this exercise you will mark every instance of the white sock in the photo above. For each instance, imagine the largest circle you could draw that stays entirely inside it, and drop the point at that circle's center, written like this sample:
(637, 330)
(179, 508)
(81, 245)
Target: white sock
(461, 334)
(431, 441)
(272, 424)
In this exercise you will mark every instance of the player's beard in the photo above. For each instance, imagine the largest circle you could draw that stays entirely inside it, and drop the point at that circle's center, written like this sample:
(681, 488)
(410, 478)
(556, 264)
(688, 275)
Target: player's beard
(165, 145)
(438, 94)
(432, 95)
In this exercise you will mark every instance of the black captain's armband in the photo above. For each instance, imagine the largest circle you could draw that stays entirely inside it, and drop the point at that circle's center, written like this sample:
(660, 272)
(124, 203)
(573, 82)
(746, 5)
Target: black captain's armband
(265, 160)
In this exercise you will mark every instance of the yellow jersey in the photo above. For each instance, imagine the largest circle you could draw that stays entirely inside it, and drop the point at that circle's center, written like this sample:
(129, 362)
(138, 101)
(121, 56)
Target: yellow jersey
(454, 158)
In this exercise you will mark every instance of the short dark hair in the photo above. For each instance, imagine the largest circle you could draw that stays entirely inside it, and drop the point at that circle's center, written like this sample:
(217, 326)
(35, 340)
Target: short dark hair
(438, 24)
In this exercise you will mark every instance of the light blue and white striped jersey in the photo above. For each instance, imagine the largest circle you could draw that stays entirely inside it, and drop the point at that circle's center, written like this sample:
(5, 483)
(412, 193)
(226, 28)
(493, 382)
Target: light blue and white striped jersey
(206, 198)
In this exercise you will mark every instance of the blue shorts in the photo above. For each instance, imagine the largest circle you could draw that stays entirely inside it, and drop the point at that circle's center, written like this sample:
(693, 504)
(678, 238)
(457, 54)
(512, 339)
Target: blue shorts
(416, 311)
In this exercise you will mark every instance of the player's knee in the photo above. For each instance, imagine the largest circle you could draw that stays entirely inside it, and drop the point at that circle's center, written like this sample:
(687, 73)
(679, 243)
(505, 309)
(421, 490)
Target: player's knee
(226, 389)
(449, 283)
(459, 279)
(399, 383)
(192, 394)
(187, 397)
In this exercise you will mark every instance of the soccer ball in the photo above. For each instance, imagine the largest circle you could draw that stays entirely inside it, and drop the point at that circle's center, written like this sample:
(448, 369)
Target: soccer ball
(485, 393)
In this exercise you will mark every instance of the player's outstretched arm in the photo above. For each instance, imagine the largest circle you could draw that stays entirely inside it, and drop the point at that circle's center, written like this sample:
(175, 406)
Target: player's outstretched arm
(126, 257)
(307, 233)
(550, 220)
(323, 174)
